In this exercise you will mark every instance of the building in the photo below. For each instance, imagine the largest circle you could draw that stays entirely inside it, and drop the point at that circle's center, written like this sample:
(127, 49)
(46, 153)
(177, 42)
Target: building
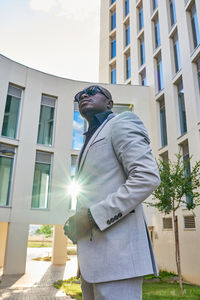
(155, 43)
(41, 135)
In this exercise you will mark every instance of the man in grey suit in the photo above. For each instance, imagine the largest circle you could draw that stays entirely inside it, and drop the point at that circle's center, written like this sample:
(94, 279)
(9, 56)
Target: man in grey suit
(117, 172)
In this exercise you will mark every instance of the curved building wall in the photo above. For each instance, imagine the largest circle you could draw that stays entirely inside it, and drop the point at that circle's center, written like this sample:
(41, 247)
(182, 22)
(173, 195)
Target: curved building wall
(19, 213)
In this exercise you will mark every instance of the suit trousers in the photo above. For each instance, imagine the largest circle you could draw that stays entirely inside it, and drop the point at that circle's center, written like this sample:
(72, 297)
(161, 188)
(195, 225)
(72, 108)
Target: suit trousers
(126, 289)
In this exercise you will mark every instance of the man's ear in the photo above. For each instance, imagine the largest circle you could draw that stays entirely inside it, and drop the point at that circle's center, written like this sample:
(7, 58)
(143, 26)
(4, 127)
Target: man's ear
(109, 104)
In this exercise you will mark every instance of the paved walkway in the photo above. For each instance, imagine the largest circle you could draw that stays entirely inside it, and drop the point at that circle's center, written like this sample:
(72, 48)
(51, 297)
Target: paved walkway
(37, 283)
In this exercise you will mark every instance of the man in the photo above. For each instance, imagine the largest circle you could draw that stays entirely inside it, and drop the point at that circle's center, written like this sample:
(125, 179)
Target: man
(116, 171)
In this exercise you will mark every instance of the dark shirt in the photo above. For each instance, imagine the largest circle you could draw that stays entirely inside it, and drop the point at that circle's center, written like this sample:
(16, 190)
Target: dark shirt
(97, 120)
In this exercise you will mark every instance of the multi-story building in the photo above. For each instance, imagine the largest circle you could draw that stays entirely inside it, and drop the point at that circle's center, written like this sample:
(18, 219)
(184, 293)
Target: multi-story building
(41, 133)
(155, 43)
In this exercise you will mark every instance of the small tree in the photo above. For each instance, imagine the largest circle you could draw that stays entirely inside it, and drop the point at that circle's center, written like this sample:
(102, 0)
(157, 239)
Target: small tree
(46, 230)
(179, 186)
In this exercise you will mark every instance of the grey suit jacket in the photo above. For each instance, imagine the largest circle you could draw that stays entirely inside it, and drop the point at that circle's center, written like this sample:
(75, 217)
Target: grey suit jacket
(117, 172)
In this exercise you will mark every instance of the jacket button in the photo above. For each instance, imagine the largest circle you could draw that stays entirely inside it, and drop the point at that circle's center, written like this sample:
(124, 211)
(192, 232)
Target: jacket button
(115, 218)
(132, 211)
(112, 220)
(108, 222)
(119, 215)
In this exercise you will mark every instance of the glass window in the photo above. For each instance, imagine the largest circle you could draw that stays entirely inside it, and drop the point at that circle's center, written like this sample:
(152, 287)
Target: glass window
(112, 1)
(160, 82)
(11, 114)
(157, 32)
(41, 180)
(143, 77)
(119, 108)
(163, 126)
(73, 164)
(177, 59)
(195, 26)
(141, 17)
(182, 111)
(6, 167)
(128, 66)
(114, 75)
(113, 48)
(155, 4)
(127, 34)
(172, 12)
(46, 123)
(198, 71)
(126, 7)
(142, 51)
(79, 127)
(113, 20)
(185, 150)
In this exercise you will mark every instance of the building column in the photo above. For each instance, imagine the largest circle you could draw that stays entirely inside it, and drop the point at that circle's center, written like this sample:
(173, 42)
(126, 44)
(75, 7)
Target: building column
(59, 251)
(16, 248)
(3, 240)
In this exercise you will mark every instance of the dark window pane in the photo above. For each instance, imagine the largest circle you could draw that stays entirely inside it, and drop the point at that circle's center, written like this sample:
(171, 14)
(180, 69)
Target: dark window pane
(172, 12)
(113, 20)
(113, 48)
(112, 1)
(163, 127)
(195, 26)
(198, 71)
(127, 31)
(182, 111)
(126, 7)
(177, 59)
(155, 4)
(6, 165)
(45, 132)
(143, 77)
(160, 73)
(141, 18)
(142, 51)
(118, 109)
(128, 67)
(113, 76)
(157, 32)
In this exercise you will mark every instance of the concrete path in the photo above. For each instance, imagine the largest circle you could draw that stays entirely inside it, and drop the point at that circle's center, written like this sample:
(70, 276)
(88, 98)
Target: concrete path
(37, 283)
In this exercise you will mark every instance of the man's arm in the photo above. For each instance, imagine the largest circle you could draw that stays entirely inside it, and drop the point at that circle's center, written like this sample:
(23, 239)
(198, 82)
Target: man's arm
(131, 145)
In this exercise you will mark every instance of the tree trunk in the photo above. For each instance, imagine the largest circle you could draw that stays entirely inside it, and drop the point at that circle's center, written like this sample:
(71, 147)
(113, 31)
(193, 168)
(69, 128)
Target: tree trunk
(177, 251)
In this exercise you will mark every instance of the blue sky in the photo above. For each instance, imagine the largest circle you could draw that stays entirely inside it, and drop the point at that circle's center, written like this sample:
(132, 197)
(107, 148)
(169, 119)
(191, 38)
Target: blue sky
(60, 37)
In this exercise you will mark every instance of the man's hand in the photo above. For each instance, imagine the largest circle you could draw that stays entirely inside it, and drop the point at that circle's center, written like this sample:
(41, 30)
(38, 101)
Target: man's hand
(78, 225)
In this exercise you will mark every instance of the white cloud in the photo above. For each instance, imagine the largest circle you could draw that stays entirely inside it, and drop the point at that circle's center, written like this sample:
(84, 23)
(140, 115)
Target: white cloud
(79, 9)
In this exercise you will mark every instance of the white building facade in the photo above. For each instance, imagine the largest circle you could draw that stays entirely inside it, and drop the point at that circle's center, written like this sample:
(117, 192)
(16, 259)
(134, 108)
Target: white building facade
(41, 135)
(156, 43)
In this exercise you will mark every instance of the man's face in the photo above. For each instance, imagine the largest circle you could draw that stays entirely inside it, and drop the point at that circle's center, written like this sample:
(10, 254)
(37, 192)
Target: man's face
(90, 105)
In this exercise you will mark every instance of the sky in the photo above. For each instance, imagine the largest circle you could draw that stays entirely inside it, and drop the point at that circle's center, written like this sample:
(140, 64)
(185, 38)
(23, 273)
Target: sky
(60, 37)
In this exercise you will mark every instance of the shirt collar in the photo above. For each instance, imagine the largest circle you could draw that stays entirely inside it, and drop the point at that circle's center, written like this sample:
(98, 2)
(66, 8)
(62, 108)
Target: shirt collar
(98, 119)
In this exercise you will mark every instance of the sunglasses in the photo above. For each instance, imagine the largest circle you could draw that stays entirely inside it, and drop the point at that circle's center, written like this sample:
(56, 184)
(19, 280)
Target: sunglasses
(91, 91)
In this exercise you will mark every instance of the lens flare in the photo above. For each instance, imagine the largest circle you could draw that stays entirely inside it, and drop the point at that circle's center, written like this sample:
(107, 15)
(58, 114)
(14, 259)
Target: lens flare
(74, 189)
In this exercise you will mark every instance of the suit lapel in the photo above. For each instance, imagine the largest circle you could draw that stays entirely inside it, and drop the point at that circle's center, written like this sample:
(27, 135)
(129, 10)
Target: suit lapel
(83, 154)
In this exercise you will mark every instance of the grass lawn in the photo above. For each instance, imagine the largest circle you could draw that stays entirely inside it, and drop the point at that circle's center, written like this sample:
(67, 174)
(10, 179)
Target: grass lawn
(39, 244)
(151, 290)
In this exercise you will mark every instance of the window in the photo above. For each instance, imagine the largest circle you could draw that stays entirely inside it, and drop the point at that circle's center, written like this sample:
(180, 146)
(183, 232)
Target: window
(112, 1)
(113, 20)
(167, 223)
(185, 150)
(142, 51)
(128, 66)
(189, 222)
(113, 75)
(79, 126)
(119, 108)
(172, 12)
(11, 114)
(155, 4)
(73, 164)
(157, 32)
(113, 48)
(160, 82)
(141, 17)
(163, 127)
(127, 34)
(41, 180)
(46, 123)
(177, 59)
(195, 26)
(164, 157)
(143, 78)
(198, 70)
(126, 5)
(6, 168)
(181, 104)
